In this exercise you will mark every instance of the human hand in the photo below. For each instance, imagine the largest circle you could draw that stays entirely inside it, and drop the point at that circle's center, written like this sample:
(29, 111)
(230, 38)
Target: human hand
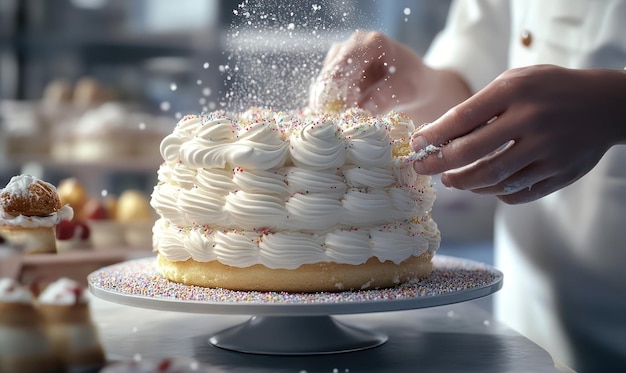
(552, 125)
(372, 71)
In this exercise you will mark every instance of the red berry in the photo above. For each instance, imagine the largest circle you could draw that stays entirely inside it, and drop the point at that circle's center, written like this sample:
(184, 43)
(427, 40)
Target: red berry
(164, 365)
(65, 230)
(83, 229)
(95, 210)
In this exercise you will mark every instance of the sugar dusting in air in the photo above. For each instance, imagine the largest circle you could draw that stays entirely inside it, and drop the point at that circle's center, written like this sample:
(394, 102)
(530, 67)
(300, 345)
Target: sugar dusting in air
(275, 49)
(272, 52)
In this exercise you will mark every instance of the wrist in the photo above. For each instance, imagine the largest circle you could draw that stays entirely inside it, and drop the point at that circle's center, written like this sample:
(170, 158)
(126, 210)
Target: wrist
(618, 100)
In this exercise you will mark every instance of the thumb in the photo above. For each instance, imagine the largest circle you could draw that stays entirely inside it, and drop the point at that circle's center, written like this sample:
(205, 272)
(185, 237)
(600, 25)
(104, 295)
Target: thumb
(424, 147)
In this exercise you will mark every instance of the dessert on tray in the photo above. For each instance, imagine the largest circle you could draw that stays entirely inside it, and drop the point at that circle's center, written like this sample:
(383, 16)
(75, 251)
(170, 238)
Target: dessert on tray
(72, 235)
(24, 347)
(30, 209)
(64, 306)
(105, 222)
(106, 232)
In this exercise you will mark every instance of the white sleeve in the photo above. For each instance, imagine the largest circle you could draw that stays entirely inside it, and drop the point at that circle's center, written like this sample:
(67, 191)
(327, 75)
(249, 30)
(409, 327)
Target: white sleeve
(475, 41)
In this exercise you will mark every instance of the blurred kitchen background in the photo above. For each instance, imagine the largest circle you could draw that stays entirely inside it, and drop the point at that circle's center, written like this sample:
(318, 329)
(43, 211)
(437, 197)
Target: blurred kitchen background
(88, 87)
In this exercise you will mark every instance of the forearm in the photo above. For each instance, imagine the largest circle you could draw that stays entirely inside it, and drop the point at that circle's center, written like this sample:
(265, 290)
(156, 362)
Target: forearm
(446, 90)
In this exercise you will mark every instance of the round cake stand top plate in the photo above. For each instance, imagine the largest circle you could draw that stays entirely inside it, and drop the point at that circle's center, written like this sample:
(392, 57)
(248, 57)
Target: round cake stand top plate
(137, 283)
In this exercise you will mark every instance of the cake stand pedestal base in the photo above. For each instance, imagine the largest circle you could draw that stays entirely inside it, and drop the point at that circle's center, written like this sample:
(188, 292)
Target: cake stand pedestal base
(296, 335)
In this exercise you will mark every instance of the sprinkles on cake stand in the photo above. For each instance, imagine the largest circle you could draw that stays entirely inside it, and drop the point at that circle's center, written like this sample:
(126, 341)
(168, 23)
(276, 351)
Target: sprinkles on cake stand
(140, 278)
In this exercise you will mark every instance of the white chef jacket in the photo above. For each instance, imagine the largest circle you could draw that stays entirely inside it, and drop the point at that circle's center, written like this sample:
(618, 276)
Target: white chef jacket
(563, 256)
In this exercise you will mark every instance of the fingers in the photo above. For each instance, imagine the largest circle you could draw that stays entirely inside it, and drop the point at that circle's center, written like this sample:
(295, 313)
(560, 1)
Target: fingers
(355, 66)
(509, 182)
(471, 130)
(467, 116)
(345, 60)
(546, 151)
(534, 192)
(364, 69)
(333, 53)
(487, 171)
(503, 176)
(469, 148)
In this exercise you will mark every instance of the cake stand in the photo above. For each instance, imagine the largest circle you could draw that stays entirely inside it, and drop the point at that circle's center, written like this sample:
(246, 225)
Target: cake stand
(294, 323)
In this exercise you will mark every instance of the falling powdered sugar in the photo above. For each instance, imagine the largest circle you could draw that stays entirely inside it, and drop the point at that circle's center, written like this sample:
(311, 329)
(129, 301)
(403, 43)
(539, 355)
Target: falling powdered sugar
(274, 50)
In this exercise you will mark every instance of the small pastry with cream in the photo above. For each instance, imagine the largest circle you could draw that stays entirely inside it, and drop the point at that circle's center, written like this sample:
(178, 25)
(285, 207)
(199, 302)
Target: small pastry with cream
(30, 209)
(24, 347)
(64, 305)
(72, 235)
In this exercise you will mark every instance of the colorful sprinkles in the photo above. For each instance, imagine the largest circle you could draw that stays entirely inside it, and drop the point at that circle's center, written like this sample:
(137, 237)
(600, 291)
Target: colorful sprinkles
(140, 278)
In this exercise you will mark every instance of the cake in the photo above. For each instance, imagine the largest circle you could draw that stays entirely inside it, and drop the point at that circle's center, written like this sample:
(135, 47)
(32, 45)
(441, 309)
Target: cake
(299, 202)
(30, 209)
(64, 306)
(24, 347)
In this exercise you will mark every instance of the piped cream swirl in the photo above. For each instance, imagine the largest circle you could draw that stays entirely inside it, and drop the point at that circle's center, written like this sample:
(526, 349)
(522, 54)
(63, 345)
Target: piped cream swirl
(318, 146)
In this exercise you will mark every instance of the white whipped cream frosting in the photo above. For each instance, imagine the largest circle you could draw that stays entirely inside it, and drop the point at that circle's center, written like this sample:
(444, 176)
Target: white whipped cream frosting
(65, 213)
(64, 291)
(285, 189)
(12, 291)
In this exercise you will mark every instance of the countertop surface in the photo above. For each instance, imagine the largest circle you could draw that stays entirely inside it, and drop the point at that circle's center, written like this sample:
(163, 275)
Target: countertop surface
(461, 337)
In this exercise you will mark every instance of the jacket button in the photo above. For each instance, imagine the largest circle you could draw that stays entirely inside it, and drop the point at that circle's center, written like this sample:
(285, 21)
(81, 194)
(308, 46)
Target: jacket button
(526, 38)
